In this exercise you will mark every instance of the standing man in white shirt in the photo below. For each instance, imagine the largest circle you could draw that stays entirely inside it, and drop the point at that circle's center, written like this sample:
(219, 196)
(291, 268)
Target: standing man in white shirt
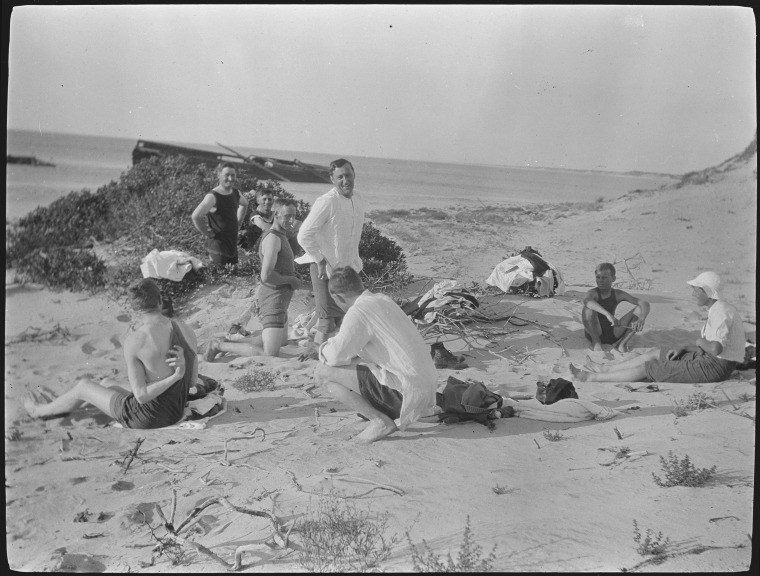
(394, 383)
(330, 237)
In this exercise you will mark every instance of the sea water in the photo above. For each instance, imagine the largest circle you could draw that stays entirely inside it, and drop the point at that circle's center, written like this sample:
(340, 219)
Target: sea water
(89, 162)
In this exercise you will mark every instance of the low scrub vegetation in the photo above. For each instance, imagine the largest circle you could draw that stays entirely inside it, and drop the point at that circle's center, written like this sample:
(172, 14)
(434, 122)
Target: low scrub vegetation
(681, 472)
(339, 537)
(469, 557)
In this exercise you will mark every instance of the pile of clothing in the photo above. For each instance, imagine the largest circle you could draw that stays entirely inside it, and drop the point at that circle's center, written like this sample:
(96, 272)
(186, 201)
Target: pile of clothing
(527, 273)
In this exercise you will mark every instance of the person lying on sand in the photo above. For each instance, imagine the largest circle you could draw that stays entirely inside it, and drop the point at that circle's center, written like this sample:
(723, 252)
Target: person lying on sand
(398, 381)
(161, 366)
(713, 358)
(278, 282)
(599, 322)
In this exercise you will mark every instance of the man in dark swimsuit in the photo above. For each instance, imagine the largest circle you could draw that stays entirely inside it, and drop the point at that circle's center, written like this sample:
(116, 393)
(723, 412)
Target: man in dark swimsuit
(220, 215)
(278, 282)
(599, 322)
(162, 365)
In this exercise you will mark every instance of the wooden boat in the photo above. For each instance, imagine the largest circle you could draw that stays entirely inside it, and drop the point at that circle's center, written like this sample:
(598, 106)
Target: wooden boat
(259, 166)
(28, 160)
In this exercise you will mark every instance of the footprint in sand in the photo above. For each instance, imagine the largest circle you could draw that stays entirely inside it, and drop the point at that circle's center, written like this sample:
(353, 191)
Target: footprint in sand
(101, 346)
(124, 318)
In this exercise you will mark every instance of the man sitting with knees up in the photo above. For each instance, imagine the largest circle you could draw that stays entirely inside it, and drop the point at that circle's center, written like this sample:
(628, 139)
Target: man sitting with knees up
(395, 379)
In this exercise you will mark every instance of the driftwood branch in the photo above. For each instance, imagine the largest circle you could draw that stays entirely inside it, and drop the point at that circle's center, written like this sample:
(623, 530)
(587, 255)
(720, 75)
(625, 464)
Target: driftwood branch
(131, 455)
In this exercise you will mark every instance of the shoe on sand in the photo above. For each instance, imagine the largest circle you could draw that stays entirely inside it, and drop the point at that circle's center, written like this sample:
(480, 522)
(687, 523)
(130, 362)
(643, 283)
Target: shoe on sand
(442, 358)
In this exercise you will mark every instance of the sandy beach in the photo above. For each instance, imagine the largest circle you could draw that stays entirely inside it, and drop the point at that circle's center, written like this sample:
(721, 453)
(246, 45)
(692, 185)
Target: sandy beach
(72, 504)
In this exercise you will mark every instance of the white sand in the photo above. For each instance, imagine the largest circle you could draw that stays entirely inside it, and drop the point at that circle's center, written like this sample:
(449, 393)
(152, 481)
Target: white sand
(565, 508)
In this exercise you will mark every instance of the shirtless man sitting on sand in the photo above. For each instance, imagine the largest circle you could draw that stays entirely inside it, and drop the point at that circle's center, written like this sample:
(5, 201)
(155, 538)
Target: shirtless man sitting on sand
(599, 321)
(161, 365)
(396, 379)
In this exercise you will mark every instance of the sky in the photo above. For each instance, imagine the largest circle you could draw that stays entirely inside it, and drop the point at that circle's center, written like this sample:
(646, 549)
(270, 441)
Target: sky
(660, 89)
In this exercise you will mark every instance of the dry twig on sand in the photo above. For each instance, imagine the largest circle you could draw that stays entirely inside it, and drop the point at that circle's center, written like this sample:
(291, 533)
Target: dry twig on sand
(280, 539)
(127, 462)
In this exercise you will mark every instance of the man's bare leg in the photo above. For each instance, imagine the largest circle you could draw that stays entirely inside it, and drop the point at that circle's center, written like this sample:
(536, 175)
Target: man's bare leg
(593, 328)
(266, 344)
(624, 364)
(342, 383)
(631, 370)
(83, 391)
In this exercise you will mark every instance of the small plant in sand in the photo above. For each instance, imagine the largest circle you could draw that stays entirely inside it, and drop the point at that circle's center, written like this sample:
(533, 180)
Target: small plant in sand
(500, 490)
(256, 380)
(681, 472)
(745, 397)
(555, 436)
(650, 544)
(13, 434)
(697, 401)
(469, 559)
(338, 537)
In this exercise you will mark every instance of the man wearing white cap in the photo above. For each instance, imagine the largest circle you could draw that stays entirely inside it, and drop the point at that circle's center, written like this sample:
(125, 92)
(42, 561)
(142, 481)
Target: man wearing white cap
(711, 359)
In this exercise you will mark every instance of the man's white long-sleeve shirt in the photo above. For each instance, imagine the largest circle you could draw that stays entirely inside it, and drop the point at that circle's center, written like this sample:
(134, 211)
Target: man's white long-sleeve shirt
(376, 330)
(332, 230)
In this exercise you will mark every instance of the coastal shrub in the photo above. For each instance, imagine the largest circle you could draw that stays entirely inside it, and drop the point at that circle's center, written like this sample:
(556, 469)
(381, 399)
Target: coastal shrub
(63, 268)
(149, 207)
(339, 537)
(384, 262)
(650, 544)
(695, 402)
(681, 472)
(469, 559)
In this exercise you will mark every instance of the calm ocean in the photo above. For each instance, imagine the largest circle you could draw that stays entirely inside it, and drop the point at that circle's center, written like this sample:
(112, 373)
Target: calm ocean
(88, 162)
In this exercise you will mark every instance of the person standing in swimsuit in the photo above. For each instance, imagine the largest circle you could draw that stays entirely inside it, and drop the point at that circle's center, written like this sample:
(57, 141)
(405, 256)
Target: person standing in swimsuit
(599, 321)
(220, 215)
(278, 283)
(162, 365)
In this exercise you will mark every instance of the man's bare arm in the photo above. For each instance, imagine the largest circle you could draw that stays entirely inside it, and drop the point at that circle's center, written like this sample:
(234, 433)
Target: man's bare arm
(199, 215)
(642, 305)
(270, 248)
(143, 391)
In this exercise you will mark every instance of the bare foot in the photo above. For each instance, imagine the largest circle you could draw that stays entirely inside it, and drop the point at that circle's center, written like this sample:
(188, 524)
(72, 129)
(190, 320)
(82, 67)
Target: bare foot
(594, 366)
(578, 374)
(212, 350)
(598, 347)
(30, 405)
(375, 430)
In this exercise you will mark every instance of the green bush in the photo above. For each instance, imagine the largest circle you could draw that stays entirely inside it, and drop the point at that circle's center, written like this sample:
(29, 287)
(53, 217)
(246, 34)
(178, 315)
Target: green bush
(469, 559)
(63, 268)
(338, 537)
(681, 472)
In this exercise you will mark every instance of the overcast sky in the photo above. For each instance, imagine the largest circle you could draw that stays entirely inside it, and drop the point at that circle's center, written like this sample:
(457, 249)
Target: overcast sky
(662, 89)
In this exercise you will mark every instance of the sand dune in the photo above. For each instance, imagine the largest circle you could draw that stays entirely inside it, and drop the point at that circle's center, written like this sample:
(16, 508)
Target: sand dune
(562, 506)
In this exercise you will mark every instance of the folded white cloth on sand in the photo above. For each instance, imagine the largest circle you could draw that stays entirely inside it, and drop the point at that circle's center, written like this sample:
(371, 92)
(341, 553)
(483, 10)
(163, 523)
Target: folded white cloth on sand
(565, 410)
(171, 264)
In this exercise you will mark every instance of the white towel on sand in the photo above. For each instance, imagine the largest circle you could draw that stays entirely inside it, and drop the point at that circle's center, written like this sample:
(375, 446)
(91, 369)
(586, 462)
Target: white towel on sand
(565, 410)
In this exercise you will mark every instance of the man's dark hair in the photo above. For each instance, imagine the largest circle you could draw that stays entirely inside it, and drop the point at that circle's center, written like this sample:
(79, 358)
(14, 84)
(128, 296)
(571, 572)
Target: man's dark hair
(607, 266)
(339, 163)
(222, 165)
(345, 281)
(144, 295)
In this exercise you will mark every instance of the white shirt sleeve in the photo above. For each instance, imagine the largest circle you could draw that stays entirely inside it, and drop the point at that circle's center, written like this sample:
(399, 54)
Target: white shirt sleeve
(354, 335)
(308, 234)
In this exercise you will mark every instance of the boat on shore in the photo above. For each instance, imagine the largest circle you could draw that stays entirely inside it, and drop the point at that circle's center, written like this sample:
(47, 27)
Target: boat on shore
(261, 167)
(27, 160)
